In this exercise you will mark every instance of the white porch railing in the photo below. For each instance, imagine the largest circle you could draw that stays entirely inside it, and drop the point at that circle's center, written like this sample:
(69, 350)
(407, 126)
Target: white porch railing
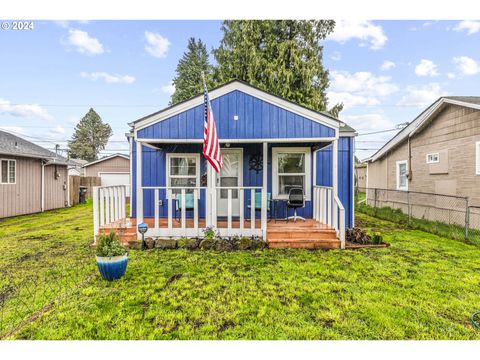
(329, 210)
(109, 205)
(193, 226)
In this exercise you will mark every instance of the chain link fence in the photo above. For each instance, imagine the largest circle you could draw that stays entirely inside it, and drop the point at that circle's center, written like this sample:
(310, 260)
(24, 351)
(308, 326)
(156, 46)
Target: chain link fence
(445, 215)
(24, 298)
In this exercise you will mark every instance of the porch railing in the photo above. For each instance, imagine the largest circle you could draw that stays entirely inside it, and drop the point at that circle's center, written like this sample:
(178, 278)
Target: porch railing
(164, 207)
(329, 210)
(109, 205)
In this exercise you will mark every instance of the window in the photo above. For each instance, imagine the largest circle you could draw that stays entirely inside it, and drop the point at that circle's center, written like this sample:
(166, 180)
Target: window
(291, 168)
(477, 158)
(183, 170)
(433, 158)
(8, 171)
(402, 173)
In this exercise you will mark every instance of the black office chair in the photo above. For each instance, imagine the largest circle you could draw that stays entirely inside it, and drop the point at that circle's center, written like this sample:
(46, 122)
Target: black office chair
(295, 201)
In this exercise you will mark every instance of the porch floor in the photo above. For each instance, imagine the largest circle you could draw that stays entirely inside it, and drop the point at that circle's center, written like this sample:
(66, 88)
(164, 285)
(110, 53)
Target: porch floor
(308, 234)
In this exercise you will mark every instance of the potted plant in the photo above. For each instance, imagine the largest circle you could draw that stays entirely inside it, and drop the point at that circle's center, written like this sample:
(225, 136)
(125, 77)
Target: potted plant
(111, 256)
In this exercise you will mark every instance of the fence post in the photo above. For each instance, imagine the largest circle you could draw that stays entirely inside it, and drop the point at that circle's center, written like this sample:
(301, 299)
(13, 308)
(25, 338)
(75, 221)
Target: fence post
(467, 218)
(375, 200)
(409, 210)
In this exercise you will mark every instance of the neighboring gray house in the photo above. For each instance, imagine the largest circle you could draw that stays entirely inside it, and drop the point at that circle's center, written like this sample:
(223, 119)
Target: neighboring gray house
(438, 152)
(76, 168)
(32, 179)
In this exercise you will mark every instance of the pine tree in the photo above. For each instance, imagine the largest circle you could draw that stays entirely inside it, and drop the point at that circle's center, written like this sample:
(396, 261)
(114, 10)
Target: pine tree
(283, 57)
(188, 79)
(90, 136)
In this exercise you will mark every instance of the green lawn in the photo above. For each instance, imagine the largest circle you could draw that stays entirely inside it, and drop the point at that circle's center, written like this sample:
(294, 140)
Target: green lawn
(422, 287)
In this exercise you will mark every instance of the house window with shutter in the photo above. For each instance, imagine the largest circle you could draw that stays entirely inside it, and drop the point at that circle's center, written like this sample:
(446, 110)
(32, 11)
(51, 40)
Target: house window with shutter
(477, 158)
(8, 170)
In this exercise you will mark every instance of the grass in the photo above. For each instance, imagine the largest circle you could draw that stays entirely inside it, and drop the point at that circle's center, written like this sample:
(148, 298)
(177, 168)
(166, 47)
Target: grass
(422, 287)
(451, 231)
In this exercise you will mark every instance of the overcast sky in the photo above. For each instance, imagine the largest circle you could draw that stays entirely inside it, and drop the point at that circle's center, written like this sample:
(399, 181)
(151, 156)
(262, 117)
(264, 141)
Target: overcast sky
(385, 72)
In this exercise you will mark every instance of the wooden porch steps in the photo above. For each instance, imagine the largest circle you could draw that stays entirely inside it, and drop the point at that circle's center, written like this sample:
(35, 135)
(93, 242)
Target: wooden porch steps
(302, 237)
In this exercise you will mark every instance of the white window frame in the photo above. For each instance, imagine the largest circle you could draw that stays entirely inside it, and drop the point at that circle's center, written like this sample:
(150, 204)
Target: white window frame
(8, 172)
(183, 155)
(308, 174)
(401, 162)
(477, 158)
(433, 161)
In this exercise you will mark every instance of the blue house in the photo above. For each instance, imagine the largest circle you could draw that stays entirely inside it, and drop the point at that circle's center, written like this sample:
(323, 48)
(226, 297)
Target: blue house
(269, 147)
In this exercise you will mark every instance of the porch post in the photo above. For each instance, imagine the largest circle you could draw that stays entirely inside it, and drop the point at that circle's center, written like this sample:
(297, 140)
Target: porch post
(212, 196)
(334, 182)
(139, 187)
(264, 190)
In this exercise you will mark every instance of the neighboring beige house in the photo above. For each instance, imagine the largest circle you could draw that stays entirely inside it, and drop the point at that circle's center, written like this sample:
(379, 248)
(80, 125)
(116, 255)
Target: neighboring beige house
(32, 179)
(113, 169)
(438, 152)
(361, 176)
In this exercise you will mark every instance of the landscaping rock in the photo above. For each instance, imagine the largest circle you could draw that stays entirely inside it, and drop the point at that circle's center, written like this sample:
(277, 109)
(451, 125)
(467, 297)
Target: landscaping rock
(223, 245)
(135, 244)
(206, 244)
(150, 242)
(258, 244)
(192, 244)
(166, 244)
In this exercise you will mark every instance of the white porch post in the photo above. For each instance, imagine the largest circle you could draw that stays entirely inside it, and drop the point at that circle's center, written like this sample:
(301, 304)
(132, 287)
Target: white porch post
(264, 190)
(211, 197)
(139, 187)
(334, 182)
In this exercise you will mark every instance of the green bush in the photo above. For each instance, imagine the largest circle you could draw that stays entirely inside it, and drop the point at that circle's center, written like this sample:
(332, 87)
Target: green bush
(109, 245)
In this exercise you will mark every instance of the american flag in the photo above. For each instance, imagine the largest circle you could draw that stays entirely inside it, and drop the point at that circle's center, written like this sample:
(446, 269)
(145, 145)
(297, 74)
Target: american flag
(211, 148)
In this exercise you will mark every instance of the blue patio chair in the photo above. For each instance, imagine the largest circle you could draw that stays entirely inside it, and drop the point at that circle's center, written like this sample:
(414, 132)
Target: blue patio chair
(189, 204)
(258, 202)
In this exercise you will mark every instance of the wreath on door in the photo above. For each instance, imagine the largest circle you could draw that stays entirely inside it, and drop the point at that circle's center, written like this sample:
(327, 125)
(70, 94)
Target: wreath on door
(256, 163)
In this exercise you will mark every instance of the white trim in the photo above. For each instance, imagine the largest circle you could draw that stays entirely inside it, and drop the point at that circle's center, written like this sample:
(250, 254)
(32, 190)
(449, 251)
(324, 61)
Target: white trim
(130, 146)
(397, 174)
(264, 191)
(8, 171)
(477, 158)
(139, 191)
(352, 177)
(106, 158)
(42, 189)
(195, 156)
(432, 161)
(113, 172)
(223, 90)
(307, 183)
(235, 141)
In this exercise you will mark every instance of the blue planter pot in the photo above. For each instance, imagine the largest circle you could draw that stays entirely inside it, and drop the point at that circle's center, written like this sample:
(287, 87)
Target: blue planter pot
(112, 268)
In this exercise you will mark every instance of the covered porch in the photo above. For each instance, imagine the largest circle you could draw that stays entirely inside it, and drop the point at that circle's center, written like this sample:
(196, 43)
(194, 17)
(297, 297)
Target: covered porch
(177, 195)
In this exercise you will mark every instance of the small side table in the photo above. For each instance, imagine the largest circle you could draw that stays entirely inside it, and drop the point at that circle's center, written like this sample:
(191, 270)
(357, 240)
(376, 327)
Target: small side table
(277, 203)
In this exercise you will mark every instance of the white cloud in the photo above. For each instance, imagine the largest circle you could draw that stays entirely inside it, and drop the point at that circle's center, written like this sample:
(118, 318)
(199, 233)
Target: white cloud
(84, 43)
(421, 96)
(362, 82)
(168, 89)
(350, 100)
(426, 68)
(466, 65)
(336, 56)
(387, 65)
(157, 45)
(471, 26)
(365, 31)
(451, 75)
(13, 129)
(108, 78)
(58, 130)
(24, 110)
(367, 122)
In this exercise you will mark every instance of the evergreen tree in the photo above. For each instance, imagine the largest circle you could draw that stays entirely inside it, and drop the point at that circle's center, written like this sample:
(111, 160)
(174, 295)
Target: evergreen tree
(90, 136)
(188, 79)
(283, 57)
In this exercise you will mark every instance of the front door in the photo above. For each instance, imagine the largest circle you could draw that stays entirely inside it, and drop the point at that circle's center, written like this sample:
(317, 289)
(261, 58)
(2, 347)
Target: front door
(230, 176)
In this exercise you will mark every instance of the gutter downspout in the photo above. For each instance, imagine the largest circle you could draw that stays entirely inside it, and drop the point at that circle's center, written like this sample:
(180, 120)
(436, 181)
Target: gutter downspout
(42, 189)
(409, 162)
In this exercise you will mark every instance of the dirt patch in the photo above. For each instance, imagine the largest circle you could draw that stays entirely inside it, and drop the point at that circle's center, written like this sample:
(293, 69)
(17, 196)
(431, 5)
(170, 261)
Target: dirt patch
(328, 323)
(171, 279)
(226, 325)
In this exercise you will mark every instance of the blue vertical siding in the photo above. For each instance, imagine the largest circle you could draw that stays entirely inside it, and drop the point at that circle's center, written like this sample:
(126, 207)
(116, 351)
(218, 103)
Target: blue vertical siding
(345, 175)
(256, 119)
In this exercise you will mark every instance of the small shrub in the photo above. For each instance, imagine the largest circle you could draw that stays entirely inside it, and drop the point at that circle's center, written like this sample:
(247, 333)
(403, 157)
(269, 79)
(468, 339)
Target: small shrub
(357, 235)
(210, 233)
(109, 245)
(377, 238)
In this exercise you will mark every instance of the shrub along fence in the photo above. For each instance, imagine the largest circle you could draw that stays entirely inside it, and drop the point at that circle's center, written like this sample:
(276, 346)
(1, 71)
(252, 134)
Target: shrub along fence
(445, 215)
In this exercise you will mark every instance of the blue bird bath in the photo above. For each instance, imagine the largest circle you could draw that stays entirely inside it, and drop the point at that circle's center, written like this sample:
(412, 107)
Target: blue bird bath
(112, 268)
